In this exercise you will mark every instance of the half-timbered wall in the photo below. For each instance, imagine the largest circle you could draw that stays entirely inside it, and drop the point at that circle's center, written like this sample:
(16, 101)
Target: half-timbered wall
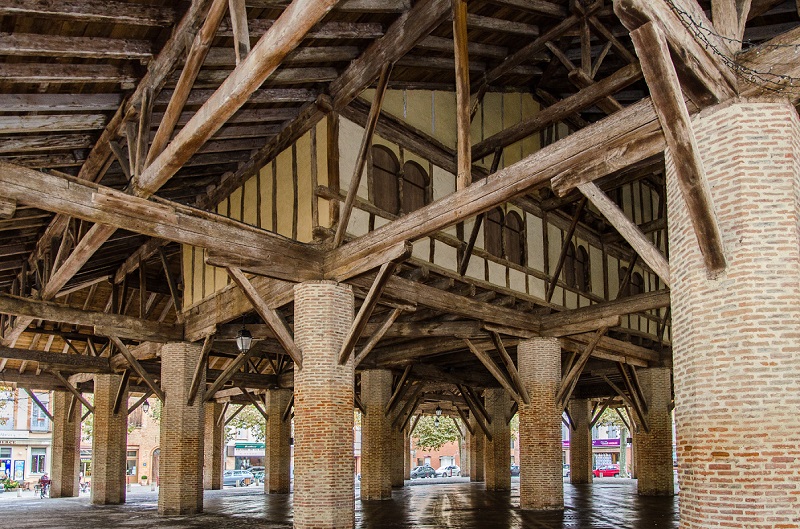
(292, 195)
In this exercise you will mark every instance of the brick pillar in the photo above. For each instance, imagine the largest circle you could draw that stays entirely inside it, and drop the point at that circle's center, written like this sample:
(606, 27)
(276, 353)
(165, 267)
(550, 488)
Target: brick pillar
(580, 443)
(180, 467)
(109, 442)
(497, 459)
(406, 454)
(396, 457)
(213, 446)
(477, 446)
(66, 458)
(376, 435)
(278, 435)
(323, 404)
(541, 483)
(655, 477)
(736, 357)
(466, 454)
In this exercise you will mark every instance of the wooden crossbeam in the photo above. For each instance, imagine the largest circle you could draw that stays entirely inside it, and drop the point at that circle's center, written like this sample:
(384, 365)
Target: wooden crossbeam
(489, 364)
(359, 404)
(562, 256)
(637, 396)
(569, 422)
(270, 316)
(465, 420)
(477, 412)
(603, 407)
(234, 414)
(363, 153)
(173, 285)
(72, 390)
(288, 411)
(628, 229)
(123, 386)
(226, 375)
(399, 390)
(620, 307)
(109, 12)
(39, 404)
(202, 362)
(628, 402)
(241, 32)
(665, 89)
(510, 367)
(365, 311)
(473, 237)
(65, 362)
(409, 406)
(7, 208)
(141, 401)
(254, 401)
(140, 370)
(570, 379)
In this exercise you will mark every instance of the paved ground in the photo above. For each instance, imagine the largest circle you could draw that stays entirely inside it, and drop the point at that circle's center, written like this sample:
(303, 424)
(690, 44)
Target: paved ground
(450, 503)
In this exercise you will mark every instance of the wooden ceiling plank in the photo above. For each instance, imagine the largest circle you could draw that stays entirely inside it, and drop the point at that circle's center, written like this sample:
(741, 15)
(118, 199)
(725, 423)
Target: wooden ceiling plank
(93, 11)
(665, 90)
(39, 45)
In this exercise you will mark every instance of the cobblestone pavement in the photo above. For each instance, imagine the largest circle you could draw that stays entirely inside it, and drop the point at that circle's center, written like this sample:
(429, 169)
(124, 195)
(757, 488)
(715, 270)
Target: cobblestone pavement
(606, 504)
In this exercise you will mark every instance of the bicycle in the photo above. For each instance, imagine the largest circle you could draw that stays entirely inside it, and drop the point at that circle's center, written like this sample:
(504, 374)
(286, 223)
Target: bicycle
(42, 489)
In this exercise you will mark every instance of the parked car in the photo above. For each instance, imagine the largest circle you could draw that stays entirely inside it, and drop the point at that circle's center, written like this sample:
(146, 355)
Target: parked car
(565, 471)
(448, 471)
(259, 475)
(237, 478)
(423, 471)
(606, 471)
(515, 470)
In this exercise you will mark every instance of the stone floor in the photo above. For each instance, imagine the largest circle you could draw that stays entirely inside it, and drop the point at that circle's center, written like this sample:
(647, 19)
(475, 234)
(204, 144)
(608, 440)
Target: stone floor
(608, 503)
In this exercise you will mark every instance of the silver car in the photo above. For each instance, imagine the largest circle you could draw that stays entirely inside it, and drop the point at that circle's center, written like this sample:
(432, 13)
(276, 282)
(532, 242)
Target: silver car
(237, 478)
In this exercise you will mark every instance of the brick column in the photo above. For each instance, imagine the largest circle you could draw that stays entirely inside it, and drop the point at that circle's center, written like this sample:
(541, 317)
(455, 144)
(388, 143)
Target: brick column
(655, 477)
(736, 356)
(213, 446)
(497, 458)
(477, 445)
(323, 404)
(376, 435)
(541, 483)
(466, 454)
(580, 443)
(406, 454)
(278, 436)
(396, 457)
(180, 467)
(109, 442)
(66, 453)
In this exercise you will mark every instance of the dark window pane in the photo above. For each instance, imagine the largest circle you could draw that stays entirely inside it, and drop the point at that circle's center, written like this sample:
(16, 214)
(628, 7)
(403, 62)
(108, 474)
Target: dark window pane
(582, 273)
(569, 266)
(493, 232)
(514, 238)
(415, 185)
(385, 168)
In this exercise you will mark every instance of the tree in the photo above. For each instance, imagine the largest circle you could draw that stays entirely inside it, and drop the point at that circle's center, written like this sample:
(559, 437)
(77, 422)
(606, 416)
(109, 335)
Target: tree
(249, 419)
(428, 436)
(6, 396)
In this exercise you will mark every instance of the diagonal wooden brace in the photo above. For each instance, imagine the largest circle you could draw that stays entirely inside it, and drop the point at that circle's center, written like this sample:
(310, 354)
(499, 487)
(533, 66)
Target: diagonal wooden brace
(140, 371)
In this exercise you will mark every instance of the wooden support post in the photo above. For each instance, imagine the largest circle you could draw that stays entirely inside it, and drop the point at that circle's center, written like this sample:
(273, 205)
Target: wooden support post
(234, 414)
(512, 369)
(143, 132)
(364, 313)
(241, 33)
(487, 361)
(414, 424)
(398, 391)
(269, 315)
(122, 158)
(221, 419)
(563, 255)
(569, 380)
(142, 289)
(377, 335)
(476, 400)
(140, 371)
(361, 159)
(200, 369)
(480, 416)
(39, 404)
(464, 145)
(665, 90)
(410, 403)
(603, 407)
(622, 418)
(570, 422)
(628, 402)
(126, 375)
(288, 411)
(473, 237)
(173, 286)
(227, 373)
(74, 391)
(628, 229)
(141, 400)
(255, 402)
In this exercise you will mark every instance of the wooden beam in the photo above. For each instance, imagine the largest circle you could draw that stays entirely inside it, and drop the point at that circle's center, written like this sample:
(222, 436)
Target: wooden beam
(200, 369)
(465, 420)
(510, 367)
(409, 405)
(41, 45)
(364, 313)
(140, 371)
(399, 390)
(92, 11)
(173, 286)
(628, 401)
(128, 327)
(269, 315)
(582, 327)
(363, 153)
(194, 61)
(475, 407)
(241, 33)
(376, 336)
(234, 414)
(603, 408)
(284, 35)
(651, 45)
(39, 404)
(161, 219)
(141, 401)
(60, 361)
(473, 237)
(629, 231)
(705, 74)
(460, 45)
(551, 287)
(729, 18)
(487, 361)
(629, 305)
(569, 380)
(288, 411)
(72, 390)
(123, 386)
(255, 403)
(7, 208)
(27, 124)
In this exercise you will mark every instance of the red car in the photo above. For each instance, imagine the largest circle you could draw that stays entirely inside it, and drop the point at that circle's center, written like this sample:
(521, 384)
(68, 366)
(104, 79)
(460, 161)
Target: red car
(606, 471)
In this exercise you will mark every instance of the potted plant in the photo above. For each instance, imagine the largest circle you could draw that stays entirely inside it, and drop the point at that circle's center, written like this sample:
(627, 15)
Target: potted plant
(143, 480)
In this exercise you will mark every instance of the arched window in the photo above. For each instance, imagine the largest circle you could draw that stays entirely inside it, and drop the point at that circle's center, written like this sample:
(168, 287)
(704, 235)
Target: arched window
(569, 266)
(493, 232)
(582, 272)
(514, 238)
(385, 169)
(415, 187)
